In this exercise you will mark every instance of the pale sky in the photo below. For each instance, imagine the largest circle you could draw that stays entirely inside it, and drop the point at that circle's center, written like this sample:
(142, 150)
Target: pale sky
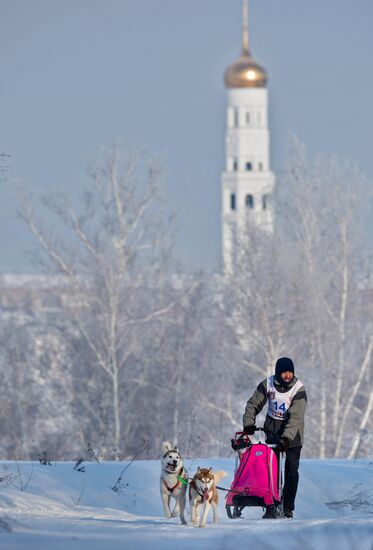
(79, 74)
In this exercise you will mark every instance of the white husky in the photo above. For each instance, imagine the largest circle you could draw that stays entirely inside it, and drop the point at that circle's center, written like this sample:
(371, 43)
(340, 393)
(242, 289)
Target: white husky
(203, 491)
(171, 485)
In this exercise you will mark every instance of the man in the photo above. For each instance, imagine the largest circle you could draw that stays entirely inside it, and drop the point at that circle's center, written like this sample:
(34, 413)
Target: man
(284, 423)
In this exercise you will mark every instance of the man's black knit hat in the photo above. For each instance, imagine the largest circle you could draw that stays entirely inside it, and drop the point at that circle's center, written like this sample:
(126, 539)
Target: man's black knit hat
(282, 365)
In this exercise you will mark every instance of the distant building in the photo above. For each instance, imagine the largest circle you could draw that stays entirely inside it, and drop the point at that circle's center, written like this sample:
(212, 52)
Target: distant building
(35, 293)
(247, 182)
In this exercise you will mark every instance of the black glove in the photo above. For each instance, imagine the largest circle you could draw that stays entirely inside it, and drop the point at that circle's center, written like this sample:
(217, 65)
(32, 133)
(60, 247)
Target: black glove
(241, 443)
(249, 430)
(284, 444)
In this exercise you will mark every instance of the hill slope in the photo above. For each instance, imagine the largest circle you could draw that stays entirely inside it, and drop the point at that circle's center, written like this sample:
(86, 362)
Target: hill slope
(62, 508)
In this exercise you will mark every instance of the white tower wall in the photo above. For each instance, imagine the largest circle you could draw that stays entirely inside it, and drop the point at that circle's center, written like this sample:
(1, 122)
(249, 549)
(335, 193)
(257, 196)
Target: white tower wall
(247, 182)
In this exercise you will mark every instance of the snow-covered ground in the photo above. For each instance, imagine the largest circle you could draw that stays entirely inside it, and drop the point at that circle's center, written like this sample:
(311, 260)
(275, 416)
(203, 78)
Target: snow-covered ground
(62, 508)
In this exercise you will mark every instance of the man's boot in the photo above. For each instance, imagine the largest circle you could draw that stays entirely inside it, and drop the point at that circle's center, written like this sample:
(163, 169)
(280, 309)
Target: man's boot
(270, 512)
(288, 513)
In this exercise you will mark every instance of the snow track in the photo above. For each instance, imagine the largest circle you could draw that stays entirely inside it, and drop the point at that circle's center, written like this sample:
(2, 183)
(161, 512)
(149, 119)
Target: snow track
(65, 509)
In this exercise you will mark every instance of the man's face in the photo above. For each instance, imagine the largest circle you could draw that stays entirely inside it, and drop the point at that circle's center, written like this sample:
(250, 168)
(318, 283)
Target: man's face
(287, 376)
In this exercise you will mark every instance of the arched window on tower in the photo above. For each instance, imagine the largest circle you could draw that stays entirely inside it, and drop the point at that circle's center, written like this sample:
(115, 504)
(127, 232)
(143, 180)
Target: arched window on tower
(233, 201)
(247, 117)
(265, 199)
(249, 166)
(249, 201)
(235, 165)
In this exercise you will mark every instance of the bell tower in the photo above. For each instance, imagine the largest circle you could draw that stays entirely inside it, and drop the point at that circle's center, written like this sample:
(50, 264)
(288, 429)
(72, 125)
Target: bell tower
(247, 181)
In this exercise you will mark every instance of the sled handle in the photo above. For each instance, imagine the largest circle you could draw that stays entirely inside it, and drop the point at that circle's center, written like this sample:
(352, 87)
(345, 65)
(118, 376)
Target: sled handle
(244, 436)
(266, 432)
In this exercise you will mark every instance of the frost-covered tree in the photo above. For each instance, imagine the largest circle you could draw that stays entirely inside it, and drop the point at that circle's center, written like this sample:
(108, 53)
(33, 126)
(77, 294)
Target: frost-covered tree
(197, 373)
(260, 294)
(301, 291)
(114, 253)
(322, 207)
(36, 402)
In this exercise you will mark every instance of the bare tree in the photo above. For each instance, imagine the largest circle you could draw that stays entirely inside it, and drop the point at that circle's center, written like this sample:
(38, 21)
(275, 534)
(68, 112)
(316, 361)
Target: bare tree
(200, 371)
(36, 398)
(322, 208)
(114, 253)
(300, 291)
(261, 287)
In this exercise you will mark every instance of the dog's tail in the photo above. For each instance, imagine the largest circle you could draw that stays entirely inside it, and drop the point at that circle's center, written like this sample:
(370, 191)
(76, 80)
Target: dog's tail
(219, 475)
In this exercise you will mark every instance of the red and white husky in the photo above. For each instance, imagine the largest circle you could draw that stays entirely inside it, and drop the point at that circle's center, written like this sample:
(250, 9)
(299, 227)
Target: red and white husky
(171, 486)
(203, 491)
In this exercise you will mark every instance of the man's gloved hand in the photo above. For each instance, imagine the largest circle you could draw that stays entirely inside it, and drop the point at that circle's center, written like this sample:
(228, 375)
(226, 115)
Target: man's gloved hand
(249, 430)
(240, 443)
(284, 444)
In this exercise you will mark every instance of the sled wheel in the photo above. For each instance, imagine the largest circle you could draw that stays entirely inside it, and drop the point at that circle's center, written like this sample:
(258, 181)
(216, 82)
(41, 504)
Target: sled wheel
(233, 512)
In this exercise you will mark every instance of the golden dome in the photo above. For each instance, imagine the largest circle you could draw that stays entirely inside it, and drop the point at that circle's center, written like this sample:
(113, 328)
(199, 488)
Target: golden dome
(245, 73)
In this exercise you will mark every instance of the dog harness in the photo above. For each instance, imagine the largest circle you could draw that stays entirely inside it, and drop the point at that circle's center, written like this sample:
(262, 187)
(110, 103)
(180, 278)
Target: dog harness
(171, 489)
(279, 403)
(204, 496)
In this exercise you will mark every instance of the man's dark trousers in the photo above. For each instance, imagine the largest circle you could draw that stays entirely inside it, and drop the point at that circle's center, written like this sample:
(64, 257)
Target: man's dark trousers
(291, 476)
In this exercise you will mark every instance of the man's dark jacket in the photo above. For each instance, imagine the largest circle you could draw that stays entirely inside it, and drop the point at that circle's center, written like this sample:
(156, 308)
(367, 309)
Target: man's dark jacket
(292, 427)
